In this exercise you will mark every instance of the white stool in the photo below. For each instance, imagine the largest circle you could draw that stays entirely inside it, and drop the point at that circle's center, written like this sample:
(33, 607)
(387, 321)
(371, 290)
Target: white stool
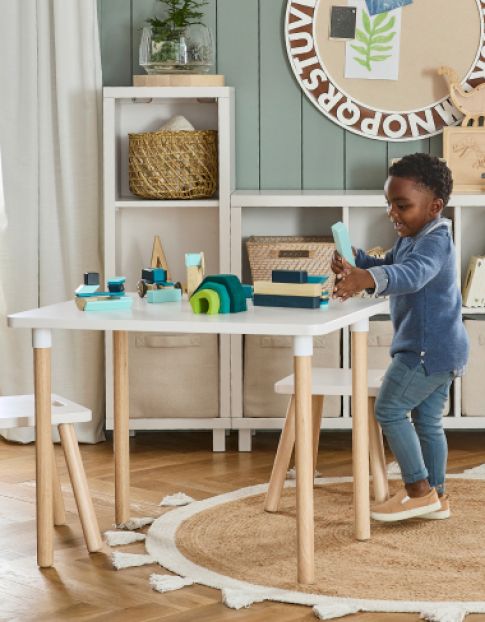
(326, 381)
(17, 411)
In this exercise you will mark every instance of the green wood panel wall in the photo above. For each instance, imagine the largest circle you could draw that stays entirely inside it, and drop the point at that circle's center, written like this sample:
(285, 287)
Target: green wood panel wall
(282, 140)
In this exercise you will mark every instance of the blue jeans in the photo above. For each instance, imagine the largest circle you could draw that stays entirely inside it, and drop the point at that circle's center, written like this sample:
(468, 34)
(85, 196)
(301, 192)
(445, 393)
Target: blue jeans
(419, 446)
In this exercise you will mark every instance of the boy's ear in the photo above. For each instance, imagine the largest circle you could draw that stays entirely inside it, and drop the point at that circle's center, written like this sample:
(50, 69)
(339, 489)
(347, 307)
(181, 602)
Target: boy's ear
(436, 206)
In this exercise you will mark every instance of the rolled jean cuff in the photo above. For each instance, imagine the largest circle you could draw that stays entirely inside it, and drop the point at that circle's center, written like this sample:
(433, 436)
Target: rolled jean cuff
(415, 477)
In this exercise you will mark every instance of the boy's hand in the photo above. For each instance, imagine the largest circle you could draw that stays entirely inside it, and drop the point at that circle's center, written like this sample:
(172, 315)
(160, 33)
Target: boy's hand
(339, 265)
(351, 281)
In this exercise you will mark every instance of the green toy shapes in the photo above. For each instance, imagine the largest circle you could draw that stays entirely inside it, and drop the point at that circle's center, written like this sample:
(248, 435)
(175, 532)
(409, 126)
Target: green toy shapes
(228, 291)
(205, 301)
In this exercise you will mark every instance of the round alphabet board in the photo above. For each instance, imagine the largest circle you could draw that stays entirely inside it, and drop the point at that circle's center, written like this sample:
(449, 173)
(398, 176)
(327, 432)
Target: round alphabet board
(383, 83)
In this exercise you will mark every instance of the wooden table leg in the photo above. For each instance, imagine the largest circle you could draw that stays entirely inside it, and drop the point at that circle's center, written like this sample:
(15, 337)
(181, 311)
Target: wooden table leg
(360, 430)
(303, 350)
(121, 427)
(41, 341)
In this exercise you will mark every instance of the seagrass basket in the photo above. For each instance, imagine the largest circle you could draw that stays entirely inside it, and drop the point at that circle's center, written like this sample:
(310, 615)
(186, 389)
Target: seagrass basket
(173, 164)
(313, 254)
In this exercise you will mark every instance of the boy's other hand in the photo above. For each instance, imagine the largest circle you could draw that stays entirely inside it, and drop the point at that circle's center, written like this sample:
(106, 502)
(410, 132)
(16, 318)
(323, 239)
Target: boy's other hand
(338, 264)
(351, 281)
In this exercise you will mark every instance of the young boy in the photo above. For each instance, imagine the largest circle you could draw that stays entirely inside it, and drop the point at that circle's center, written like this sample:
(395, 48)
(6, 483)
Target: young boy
(430, 345)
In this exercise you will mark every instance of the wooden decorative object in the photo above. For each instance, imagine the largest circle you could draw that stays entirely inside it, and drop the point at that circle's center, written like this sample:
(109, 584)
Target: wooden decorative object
(178, 80)
(474, 287)
(464, 152)
(158, 256)
(470, 103)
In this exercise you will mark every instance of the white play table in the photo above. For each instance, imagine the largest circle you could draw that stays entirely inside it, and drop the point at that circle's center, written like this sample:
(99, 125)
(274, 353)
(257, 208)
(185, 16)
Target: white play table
(301, 324)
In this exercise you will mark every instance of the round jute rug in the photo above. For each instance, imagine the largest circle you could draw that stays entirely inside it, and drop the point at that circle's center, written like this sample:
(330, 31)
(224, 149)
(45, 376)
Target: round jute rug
(417, 561)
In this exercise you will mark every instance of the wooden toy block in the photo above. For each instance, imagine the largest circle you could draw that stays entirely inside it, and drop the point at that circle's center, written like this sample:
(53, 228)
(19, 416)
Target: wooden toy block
(287, 289)
(105, 303)
(234, 289)
(342, 242)
(167, 294)
(221, 291)
(300, 302)
(158, 256)
(474, 287)
(205, 301)
(195, 263)
(91, 278)
(289, 276)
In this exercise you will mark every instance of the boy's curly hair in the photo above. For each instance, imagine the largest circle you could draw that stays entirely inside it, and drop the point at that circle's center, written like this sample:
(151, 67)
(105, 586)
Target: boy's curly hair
(426, 170)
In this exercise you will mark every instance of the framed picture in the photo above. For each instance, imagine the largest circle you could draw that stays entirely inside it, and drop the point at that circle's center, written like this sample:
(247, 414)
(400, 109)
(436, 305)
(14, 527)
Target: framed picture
(464, 152)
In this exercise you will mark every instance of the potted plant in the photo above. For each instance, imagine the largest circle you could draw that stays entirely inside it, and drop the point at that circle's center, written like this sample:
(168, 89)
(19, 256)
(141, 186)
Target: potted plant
(179, 42)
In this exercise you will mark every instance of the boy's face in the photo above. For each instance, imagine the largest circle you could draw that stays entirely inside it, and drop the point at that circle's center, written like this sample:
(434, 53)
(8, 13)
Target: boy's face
(410, 205)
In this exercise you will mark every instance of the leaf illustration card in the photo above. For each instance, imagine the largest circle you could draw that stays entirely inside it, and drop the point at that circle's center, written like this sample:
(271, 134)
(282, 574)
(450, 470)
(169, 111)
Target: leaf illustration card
(375, 51)
(342, 22)
(382, 6)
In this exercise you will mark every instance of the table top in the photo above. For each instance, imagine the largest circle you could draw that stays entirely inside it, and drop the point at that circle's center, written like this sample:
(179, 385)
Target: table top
(177, 317)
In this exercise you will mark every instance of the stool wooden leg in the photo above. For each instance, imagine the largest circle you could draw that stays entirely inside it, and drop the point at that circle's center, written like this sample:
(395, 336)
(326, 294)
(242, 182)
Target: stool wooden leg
(80, 488)
(59, 510)
(317, 405)
(121, 426)
(377, 457)
(282, 460)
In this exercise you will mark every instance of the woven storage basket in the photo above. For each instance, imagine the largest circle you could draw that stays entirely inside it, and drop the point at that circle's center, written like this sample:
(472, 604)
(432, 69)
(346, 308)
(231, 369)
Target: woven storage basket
(173, 164)
(313, 254)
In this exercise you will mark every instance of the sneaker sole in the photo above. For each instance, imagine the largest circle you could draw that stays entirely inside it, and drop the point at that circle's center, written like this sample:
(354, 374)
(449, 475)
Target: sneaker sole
(439, 515)
(405, 514)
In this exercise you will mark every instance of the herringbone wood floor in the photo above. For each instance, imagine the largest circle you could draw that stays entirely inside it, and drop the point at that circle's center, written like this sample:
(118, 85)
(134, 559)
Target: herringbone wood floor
(86, 588)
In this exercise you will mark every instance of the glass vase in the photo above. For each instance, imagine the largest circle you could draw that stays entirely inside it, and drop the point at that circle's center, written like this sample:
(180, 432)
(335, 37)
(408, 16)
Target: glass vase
(177, 50)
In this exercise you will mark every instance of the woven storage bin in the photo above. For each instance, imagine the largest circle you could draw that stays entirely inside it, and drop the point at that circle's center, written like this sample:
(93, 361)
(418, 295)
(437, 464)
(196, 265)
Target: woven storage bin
(173, 165)
(313, 254)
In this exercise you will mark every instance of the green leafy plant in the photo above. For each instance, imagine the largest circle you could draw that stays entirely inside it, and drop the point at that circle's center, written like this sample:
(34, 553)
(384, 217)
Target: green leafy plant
(374, 38)
(166, 32)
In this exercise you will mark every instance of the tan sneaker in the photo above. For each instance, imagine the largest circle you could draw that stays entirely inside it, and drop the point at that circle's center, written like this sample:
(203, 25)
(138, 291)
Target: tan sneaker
(443, 512)
(402, 507)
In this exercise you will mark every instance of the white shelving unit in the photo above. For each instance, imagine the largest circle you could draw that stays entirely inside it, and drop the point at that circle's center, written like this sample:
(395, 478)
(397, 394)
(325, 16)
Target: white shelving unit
(312, 213)
(184, 226)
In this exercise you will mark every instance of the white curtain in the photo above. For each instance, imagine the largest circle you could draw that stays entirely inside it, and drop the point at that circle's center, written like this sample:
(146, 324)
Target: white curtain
(50, 139)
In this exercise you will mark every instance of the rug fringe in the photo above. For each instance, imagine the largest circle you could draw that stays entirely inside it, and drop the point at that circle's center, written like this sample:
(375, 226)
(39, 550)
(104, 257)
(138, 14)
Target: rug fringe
(393, 468)
(136, 523)
(478, 470)
(128, 560)
(291, 473)
(444, 613)
(237, 599)
(176, 500)
(116, 538)
(168, 583)
(333, 610)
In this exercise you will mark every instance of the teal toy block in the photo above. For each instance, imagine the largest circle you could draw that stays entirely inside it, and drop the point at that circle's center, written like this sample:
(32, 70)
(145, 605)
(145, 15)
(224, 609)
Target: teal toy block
(342, 242)
(294, 302)
(193, 260)
(221, 290)
(234, 289)
(248, 290)
(205, 301)
(116, 280)
(123, 303)
(289, 276)
(317, 279)
(87, 290)
(167, 294)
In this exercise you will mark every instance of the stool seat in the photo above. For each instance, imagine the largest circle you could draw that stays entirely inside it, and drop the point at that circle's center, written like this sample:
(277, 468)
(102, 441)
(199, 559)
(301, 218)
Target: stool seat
(327, 381)
(332, 381)
(17, 411)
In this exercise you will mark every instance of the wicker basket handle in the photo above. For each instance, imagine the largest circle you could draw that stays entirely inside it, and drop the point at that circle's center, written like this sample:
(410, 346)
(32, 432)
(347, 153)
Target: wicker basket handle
(291, 253)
